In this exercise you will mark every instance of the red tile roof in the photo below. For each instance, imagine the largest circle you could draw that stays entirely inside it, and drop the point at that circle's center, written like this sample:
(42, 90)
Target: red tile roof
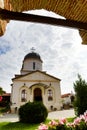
(65, 95)
(6, 94)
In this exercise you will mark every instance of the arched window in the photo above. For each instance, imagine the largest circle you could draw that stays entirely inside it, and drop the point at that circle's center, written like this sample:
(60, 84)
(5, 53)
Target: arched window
(50, 95)
(23, 95)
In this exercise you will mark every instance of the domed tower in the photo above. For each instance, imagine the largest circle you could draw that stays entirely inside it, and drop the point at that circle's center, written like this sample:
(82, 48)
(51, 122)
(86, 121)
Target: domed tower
(32, 62)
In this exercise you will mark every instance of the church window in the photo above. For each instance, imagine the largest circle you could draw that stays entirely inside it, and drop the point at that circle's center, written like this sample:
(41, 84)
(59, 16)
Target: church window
(50, 95)
(33, 65)
(23, 95)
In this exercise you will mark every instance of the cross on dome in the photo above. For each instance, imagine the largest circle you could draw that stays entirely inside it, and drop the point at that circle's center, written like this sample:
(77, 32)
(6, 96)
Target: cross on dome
(32, 49)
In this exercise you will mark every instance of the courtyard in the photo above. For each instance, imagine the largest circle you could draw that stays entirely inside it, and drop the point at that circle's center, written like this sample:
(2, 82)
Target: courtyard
(51, 115)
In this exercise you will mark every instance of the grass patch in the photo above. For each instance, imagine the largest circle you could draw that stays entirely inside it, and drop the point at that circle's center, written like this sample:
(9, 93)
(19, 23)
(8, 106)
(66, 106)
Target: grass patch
(23, 126)
(19, 126)
(71, 119)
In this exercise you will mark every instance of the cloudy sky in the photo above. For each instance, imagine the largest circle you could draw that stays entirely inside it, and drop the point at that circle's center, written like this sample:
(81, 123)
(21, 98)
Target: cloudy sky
(60, 48)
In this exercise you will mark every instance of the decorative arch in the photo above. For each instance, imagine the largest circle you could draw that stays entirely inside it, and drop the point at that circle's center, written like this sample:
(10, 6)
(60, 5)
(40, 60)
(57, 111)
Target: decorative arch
(40, 84)
(23, 95)
(50, 94)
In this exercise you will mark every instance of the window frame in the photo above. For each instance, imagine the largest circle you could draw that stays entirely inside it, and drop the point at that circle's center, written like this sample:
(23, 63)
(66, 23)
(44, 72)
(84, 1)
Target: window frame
(50, 94)
(23, 95)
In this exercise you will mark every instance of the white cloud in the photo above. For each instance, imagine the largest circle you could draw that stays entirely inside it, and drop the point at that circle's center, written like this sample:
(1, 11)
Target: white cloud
(60, 48)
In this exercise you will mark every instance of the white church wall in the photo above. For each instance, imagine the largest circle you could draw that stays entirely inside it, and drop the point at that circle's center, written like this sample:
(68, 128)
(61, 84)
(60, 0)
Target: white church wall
(26, 83)
(56, 102)
(19, 86)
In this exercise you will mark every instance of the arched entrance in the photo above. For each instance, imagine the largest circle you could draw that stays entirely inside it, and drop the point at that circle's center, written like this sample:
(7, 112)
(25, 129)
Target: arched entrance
(37, 94)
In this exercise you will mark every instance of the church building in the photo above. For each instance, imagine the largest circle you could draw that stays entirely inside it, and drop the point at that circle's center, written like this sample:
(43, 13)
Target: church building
(34, 84)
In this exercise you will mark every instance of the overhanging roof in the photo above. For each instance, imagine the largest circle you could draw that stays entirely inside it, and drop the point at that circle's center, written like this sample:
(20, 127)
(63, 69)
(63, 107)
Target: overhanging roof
(70, 9)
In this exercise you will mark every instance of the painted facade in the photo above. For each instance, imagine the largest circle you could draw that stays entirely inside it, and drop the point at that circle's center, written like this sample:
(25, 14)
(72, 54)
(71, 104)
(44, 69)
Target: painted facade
(33, 84)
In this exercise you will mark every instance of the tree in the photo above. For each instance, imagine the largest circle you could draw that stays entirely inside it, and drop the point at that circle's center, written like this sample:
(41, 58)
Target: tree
(2, 91)
(80, 103)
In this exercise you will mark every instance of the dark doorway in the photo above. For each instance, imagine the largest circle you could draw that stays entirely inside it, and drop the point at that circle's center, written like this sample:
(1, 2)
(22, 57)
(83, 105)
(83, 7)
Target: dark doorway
(37, 94)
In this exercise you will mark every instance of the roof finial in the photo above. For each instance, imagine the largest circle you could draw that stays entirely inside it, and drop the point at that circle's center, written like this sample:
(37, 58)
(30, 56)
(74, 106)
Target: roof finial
(32, 49)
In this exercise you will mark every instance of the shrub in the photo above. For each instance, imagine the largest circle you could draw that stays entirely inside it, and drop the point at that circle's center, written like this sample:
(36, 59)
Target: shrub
(33, 112)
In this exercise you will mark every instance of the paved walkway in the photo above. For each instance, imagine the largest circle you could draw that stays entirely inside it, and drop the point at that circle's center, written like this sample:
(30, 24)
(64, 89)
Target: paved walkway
(9, 118)
(51, 115)
(61, 114)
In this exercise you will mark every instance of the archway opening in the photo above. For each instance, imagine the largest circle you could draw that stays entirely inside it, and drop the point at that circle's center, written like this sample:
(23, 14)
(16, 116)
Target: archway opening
(37, 94)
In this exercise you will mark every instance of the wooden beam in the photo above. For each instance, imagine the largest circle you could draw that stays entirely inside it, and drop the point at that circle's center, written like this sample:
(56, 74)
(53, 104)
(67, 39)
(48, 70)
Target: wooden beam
(10, 15)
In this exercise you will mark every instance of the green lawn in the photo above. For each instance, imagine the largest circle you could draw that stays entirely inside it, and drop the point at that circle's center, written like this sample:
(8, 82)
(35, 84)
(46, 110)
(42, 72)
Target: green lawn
(17, 126)
(22, 126)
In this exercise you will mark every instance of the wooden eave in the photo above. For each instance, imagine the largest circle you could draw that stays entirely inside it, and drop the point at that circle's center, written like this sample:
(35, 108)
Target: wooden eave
(72, 10)
(11, 15)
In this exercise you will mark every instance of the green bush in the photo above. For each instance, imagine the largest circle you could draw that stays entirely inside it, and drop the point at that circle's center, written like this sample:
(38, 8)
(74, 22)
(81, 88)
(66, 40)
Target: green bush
(33, 112)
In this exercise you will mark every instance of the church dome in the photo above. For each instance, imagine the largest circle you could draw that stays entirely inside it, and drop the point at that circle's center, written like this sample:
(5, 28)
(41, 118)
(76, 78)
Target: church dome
(32, 62)
(33, 55)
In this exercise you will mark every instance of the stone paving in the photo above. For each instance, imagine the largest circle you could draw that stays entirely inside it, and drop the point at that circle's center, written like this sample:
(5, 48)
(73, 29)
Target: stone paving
(9, 118)
(61, 114)
(51, 115)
